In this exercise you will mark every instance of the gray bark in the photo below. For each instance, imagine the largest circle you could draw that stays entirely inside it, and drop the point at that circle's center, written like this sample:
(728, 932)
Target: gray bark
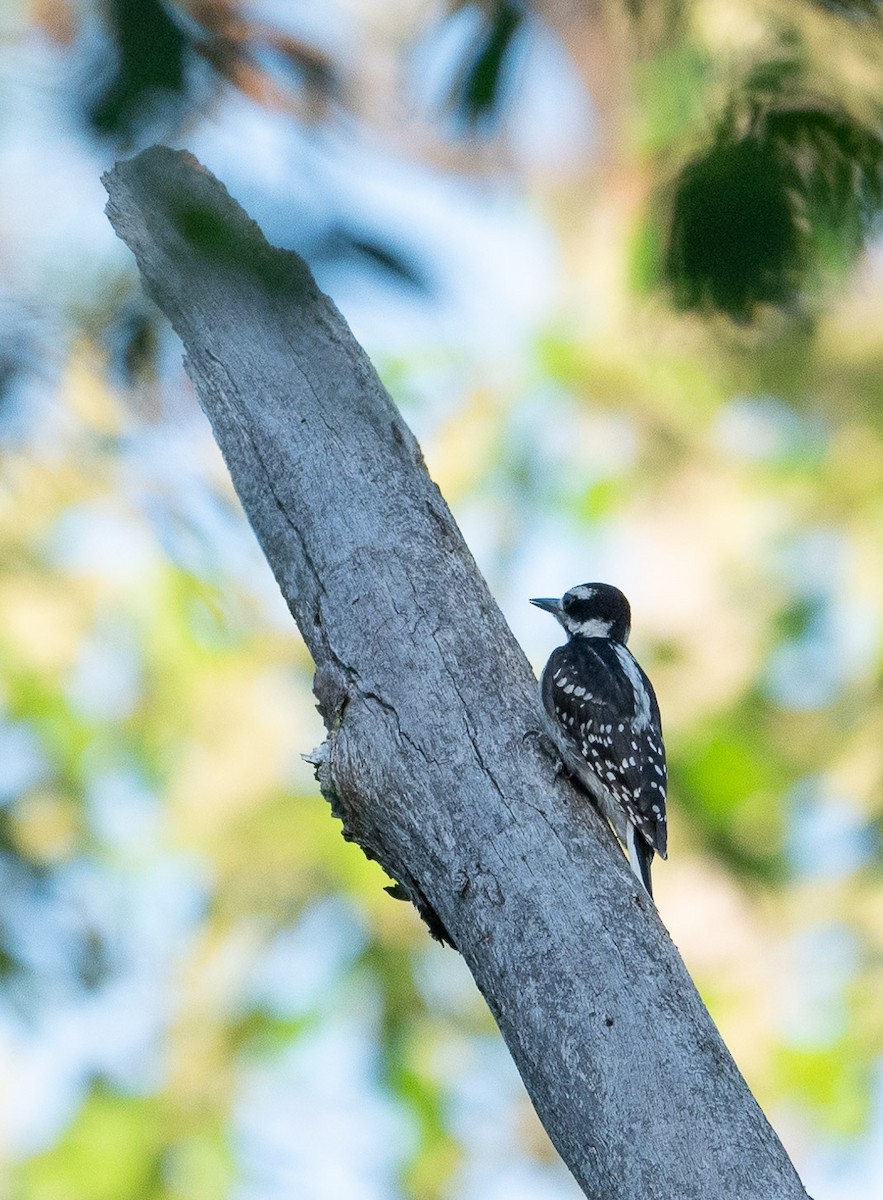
(433, 759)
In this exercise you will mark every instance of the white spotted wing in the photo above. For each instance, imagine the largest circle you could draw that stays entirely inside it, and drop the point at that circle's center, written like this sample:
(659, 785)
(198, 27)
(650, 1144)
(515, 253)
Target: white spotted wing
(605, 709)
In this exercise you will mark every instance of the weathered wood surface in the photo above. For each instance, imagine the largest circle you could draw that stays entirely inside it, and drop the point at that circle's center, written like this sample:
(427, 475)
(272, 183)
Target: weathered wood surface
(432, 759)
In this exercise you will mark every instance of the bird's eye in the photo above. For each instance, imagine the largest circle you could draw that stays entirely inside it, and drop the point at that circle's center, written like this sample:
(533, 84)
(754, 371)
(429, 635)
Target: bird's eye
(580, 610)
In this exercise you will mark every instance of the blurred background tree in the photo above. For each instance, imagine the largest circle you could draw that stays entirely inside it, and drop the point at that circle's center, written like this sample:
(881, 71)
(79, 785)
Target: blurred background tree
(620, 263)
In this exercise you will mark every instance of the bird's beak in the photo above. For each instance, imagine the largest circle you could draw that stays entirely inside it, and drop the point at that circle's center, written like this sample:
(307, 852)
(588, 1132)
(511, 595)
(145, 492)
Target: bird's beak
(549, 605)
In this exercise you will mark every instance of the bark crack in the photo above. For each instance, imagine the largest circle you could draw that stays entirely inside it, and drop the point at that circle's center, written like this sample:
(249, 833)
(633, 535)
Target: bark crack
(467, 724)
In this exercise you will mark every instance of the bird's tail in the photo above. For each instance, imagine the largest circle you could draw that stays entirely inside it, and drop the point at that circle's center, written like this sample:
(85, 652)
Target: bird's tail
(640, 858)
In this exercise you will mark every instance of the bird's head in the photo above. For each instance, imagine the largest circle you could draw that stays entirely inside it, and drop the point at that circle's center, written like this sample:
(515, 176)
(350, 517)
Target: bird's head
(592, 610)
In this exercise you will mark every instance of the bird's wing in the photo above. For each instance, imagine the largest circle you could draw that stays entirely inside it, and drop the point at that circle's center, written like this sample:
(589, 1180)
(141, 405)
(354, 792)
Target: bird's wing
(618, 734)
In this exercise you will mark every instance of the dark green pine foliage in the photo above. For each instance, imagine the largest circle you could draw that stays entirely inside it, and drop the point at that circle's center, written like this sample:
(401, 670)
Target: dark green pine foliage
(790, 186)
(481, 86)
(149, 71)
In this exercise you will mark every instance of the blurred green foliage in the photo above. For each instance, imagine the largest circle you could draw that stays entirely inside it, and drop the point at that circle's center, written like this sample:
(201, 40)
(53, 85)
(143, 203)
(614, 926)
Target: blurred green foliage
(149, 67)
(479, 92)
(800, 186)
(225, 992)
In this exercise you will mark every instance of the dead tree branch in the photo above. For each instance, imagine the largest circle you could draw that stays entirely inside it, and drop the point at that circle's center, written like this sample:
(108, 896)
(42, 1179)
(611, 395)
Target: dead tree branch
(433, 760)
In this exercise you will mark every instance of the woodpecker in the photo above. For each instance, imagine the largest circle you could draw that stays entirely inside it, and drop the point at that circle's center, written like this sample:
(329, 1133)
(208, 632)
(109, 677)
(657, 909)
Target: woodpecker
(604, 719)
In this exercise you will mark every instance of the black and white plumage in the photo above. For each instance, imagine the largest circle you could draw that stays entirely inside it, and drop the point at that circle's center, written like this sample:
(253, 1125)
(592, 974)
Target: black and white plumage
(605, 720)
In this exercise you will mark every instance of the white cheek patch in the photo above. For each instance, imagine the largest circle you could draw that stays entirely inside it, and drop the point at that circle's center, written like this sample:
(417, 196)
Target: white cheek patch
(596, 628)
